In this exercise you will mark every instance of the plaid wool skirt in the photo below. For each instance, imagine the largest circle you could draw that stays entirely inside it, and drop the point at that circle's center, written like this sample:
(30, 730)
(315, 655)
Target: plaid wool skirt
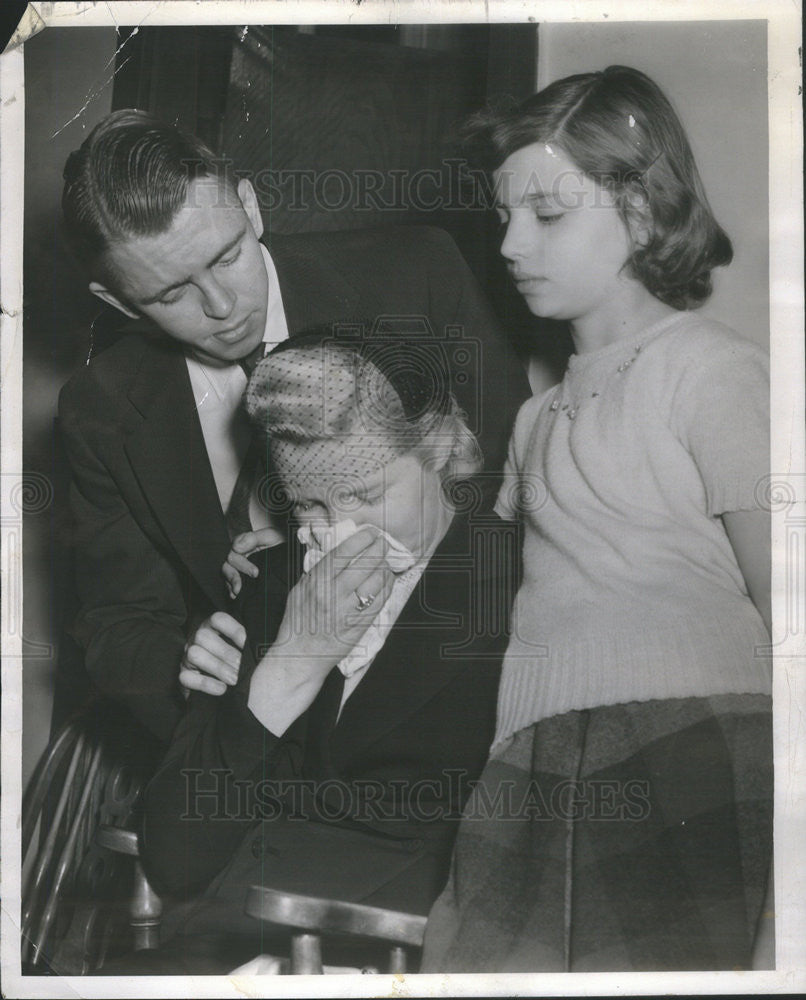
(627, 837)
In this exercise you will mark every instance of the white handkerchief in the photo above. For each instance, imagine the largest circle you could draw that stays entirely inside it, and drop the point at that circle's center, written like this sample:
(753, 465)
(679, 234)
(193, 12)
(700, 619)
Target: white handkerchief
(319, 540)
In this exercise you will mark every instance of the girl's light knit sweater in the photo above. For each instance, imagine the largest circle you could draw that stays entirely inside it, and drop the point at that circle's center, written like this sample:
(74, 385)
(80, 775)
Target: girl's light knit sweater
(631, 589)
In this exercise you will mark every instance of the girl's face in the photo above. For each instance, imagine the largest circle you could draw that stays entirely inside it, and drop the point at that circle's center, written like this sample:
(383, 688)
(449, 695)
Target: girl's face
(565, 242)
(403, 497)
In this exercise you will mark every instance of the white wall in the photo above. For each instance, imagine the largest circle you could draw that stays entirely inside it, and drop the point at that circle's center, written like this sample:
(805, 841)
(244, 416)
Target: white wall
(715, 74)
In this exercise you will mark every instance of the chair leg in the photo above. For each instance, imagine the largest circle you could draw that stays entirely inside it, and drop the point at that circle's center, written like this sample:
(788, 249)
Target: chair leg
(145, 912)
(397, 959)
(306, 955)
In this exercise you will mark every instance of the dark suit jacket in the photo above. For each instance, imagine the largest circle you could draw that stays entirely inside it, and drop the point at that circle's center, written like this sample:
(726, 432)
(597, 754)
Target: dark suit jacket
(150, 536)
(364, 808)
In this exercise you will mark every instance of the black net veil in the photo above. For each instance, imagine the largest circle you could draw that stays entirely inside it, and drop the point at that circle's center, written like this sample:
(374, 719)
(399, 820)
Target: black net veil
(347, 399)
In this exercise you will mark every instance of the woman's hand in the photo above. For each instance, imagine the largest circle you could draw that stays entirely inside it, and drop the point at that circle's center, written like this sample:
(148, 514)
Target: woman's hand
(243, 546)
(323, 617)
(323, 621)
(212, 658)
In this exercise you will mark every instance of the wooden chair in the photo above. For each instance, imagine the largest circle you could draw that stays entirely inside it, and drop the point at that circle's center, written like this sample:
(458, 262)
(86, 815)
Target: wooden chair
(72, 884)
(145, 905)
(308, 918)
(305, 918)
(81, 897)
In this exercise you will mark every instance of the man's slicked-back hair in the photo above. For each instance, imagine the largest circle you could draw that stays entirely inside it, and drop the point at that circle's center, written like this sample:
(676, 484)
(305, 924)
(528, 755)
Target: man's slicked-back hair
(128, 179)
(619, 128)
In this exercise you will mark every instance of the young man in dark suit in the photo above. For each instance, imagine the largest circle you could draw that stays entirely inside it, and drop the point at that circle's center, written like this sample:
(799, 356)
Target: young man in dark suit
(153, 426)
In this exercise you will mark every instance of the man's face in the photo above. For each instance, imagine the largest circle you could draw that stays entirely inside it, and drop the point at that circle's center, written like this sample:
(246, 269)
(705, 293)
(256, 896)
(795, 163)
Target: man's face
(203, 281)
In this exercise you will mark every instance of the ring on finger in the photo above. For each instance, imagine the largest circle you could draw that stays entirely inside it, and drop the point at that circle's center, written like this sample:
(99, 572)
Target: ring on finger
(365, 601)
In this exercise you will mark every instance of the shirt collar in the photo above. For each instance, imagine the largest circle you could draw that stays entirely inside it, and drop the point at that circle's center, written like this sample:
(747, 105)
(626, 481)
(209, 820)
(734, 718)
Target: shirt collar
(276, 329)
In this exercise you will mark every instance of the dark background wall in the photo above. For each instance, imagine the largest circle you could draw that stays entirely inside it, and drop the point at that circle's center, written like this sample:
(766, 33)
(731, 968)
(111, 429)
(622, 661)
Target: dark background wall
(64, 70)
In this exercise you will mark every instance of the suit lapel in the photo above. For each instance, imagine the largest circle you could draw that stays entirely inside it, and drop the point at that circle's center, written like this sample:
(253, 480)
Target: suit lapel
(322, 717)
(169, 458)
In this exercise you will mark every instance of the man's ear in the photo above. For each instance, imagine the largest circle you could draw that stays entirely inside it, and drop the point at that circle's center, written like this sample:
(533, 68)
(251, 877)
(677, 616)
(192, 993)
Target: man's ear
(111, 299)
(248, 198)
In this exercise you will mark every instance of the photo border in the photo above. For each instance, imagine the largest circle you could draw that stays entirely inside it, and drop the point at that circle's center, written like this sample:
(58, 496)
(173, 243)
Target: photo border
(787, 490)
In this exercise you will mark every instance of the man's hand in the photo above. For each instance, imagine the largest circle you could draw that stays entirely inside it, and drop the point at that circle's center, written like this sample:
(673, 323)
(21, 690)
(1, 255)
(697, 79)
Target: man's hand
(212, 658)
(243, 546)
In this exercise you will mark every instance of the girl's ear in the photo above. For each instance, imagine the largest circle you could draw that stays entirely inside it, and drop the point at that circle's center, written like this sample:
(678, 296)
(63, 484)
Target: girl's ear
(639, 215)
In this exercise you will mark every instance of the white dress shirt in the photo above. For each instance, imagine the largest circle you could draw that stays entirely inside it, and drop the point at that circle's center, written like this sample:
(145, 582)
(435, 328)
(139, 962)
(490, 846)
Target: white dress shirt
(217, 390)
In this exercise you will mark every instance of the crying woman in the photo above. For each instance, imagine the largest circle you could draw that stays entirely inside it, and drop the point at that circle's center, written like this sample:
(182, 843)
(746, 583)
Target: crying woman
(357, 707)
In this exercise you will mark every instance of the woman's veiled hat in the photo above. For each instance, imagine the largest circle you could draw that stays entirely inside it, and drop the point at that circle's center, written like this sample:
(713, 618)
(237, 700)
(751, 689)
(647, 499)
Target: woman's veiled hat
(373, 394)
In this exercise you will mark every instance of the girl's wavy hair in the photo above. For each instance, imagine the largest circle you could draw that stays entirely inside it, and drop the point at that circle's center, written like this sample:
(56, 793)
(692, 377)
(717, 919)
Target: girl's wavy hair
(619, 129)
(129, 178)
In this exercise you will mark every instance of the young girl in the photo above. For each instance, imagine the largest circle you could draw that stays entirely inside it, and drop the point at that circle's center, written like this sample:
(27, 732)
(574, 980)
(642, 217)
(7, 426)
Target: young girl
(624, 820)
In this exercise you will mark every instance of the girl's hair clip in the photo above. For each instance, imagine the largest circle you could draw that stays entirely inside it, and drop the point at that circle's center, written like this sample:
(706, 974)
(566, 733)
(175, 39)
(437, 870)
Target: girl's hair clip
(650, 165)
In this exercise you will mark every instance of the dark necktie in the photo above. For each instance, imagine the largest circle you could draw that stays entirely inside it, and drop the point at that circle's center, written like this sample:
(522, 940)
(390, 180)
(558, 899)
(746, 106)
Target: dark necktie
(237, 517)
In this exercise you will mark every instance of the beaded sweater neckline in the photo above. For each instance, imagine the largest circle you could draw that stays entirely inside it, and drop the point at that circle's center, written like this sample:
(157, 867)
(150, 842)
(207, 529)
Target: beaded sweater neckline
(587, 373)
(625, 347)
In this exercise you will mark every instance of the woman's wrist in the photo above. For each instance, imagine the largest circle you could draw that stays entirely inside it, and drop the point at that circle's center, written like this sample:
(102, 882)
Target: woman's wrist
(284, 684)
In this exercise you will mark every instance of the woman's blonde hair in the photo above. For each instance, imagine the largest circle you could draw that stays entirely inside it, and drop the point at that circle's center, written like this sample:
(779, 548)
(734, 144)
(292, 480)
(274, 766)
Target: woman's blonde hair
(319, 387)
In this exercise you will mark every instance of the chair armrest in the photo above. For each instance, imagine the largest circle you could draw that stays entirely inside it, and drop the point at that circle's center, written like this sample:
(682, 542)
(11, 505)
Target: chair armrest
(118, 840)
(320, 915)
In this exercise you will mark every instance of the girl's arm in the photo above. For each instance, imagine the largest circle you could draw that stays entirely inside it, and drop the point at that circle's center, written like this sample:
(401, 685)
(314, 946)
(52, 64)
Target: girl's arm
(749, 534)
(764, 944)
